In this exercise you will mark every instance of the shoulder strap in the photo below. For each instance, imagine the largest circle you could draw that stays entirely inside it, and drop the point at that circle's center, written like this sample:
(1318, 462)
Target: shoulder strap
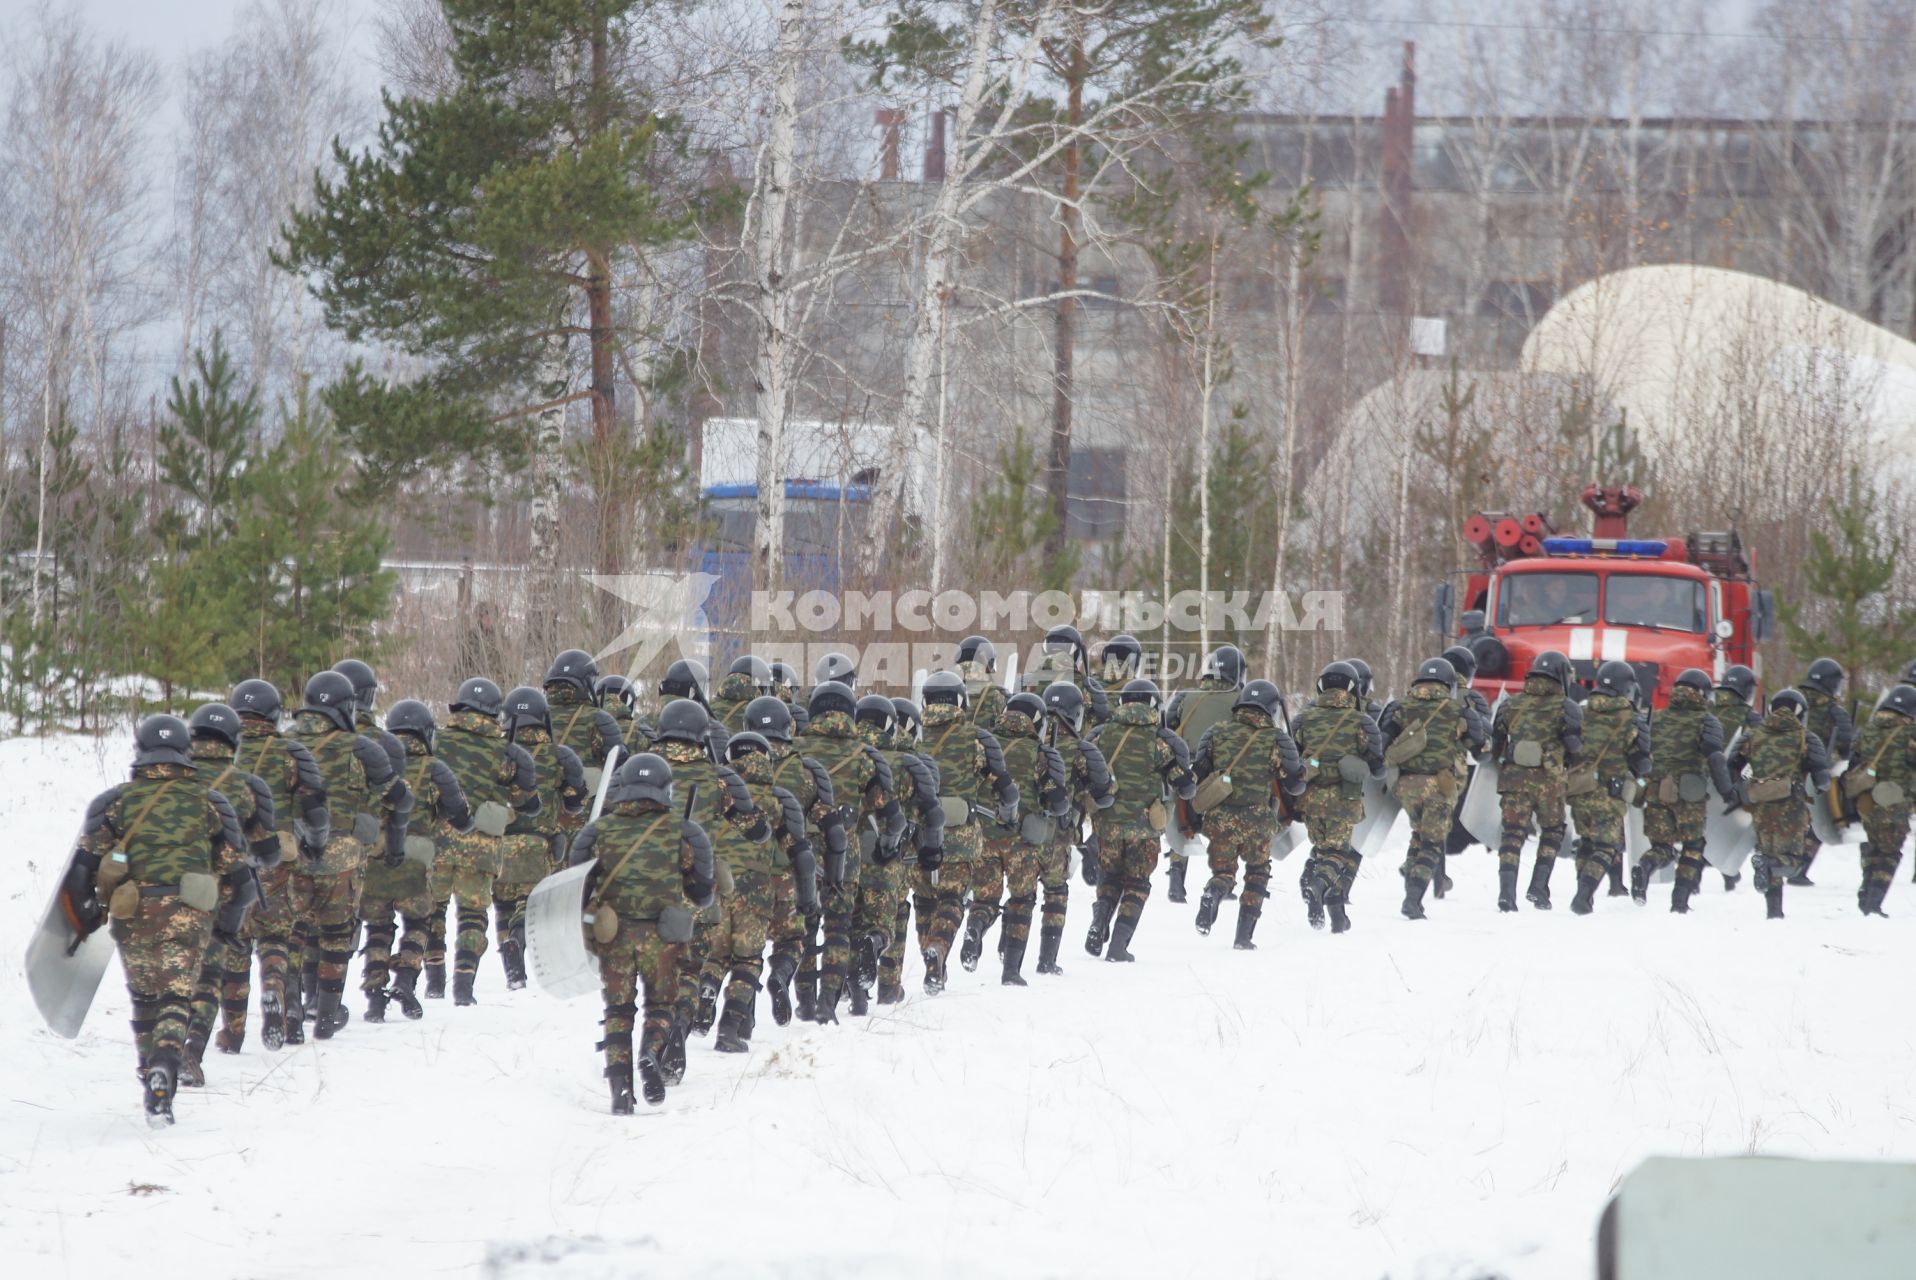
(605, 881)
(139, 819)
(1889, 740)
(1249, 742)
(573, 723)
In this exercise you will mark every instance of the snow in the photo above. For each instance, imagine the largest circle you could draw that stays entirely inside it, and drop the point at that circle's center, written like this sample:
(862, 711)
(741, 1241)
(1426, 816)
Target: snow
(1441, 1101)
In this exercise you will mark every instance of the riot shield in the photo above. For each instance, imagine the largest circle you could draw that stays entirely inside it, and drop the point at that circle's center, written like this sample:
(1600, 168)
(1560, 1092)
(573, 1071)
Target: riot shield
(1729, 837)
(1380, 814)
(1481, 813)
(556, 954)
(604, 788)
(64, 969)
(1826, 811)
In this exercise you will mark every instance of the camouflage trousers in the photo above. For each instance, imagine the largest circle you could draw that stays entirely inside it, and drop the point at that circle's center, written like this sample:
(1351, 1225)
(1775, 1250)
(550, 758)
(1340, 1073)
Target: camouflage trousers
(162, 948)
(1006, 871)
(270, 924)
(380, 957)
(326, 922)
(1885, 831)
(1599, 817)
(941, 907)
(1667, 826)
(1329, 816)
(1429, 801)
(1054, 874)
(875, 920)
(464, 875)
(1241, 833)
(224, 991)
(734, 958)
(524, 862)
(1530, 796)
(1779, 835)
(1128, 855)
(635, 965)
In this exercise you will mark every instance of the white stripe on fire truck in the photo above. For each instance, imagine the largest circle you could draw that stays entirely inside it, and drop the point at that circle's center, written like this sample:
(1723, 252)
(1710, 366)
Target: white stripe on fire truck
(1583, 643)
(1614, 642)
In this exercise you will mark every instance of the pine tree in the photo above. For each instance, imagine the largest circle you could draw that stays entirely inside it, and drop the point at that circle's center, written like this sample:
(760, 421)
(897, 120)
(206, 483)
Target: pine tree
(1012, 523)
(211, 422)
(1850, 570)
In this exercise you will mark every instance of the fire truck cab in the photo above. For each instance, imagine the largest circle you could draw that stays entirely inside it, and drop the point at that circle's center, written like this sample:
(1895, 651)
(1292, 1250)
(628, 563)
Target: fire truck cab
(1660, 604)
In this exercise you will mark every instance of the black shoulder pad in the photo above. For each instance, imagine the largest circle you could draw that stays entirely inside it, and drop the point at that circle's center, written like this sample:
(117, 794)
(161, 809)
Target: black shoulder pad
(584, 843)
(571, 768)
(230, 833)
(374, 762)
(526, 775)
(306, 775)
(96, 810)
(881, 772)
(994, 754)
(262, 800)
(821, 780)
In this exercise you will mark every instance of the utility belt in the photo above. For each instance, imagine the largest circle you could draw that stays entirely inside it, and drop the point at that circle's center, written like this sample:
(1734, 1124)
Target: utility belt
(197, 889)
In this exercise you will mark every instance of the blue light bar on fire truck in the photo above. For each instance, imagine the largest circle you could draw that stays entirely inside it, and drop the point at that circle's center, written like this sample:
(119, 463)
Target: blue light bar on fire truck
(1648, 548)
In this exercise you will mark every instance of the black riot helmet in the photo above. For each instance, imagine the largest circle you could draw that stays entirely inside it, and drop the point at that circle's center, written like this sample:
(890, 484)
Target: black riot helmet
(162, 740)
(1825, 676)
(1462, 661)
(480, 696)
(218, 721)
(875, 710)
(784, 675)
(410, 715)
(1142, 691)
(980, 650)
(644, 777)
(1694, 678)
(1064, 701)
(686, 678)
(1901, 700)
(1226, 663)
(769, 717)
(331, 694)
(256, 698)
(745, 743)
(1437, 671)
(1909, 674)
(944, 688)
(1338, 675)
(614, 688)
(365, 683)
(574, 667)
(906, 716)
(1793, 702)
(526, 708)
(1741, 681)
(1124, 650)
(683, 720)
(1362, 668)
(1261, 695)
(829, 697)
(835, 668)
(1552, 666)
(1028, 705)
(1617, 678)
(1066, 637)
(757, 669)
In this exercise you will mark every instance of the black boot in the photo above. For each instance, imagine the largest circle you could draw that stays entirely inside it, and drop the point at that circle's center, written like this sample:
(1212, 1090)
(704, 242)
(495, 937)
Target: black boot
(1176, 877)
(1538, 894)
(1506, 887)
(1049, 938)
(326, 1018)
(1584, 901)
(294, 1022)
(1802, 879)
(826, 1010)
(974, 947)
(1640, 881)
(734, 1028)
(1340, 919)
(1870, 900)
(192, 1064)
(272, 1021)
(462, 989)
(1100, 930)
(1730, 882)
(778, 987)
(162, 1079)
(436, 981)
(1617, 889)
(807, 1003)
(513, 956)
(934, 971)
(890, 992)
(1246, 926)
(708, 1006)
(671, 1059)
(620, 1080)
(1014, 957)
(860, 998)
(1680, 897)
(867, 958)
(1414, 898)
(1207, 908)
(651, 1079)
(376, 1004)
(1120, 948)
(1314, 893)
(309, 991)
(1440, 882)
(1773, 898)
(404, 981)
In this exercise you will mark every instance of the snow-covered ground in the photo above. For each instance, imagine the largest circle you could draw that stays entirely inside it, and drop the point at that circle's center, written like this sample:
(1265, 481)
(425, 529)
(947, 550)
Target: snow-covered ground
(1452, 1099)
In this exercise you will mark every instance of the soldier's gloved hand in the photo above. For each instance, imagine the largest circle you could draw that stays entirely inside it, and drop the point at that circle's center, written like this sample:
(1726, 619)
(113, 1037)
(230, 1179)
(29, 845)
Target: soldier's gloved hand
(834, 869)
(1007, 812)
(1730, 798)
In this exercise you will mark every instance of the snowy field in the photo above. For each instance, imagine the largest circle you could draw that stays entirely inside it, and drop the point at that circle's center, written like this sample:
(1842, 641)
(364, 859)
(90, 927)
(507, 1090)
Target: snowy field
(1453, 1099)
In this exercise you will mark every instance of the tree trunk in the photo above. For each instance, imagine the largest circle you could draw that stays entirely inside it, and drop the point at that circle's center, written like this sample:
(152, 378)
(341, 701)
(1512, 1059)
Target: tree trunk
(1064, 337)
(772, 365)
(1206, 385)
(548, 486)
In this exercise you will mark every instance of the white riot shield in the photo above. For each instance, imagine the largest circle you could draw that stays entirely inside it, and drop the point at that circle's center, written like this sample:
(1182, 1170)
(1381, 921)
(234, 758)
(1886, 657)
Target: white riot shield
(1178, 841)
(612, 761)
(1287, 840)
(556, 954)
(1481, 813)
(63, 969)
(1825, 810)
(1729, 837)
(1380, 814)
(1635, 843)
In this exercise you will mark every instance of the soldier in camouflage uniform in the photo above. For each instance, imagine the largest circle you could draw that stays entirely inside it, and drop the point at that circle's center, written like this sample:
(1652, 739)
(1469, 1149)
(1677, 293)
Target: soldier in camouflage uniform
(1734, 703)
(748, 678)
(1777, 755)
(1340, 746)
(918, 781)
(723, 805)
(1428, 738)
(1249, 752)
(1464, 663)
(868, 800)
(1686, 757)
(366, 721)
(1881, 782)
(974, 786)
(579, 724)
(1146, 760)
(534, 845)
(1009, 861)
(1121, 659)
(1092, 790)
(1599, 789)
(215, 730)
(305, 826)
(500, 781)
(794, 934)
(1535, 734)
(1063, 657)
(1191, 714)
(1821, 686)
(652, 868)
(977, 664)
(771, 880)
(405, 891)
(370, 808)
(882, 868)
(617, 698)
(157, 848)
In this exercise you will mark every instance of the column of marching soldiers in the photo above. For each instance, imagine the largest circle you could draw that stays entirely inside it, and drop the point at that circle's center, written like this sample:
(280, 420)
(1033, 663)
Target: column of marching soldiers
(824, 825)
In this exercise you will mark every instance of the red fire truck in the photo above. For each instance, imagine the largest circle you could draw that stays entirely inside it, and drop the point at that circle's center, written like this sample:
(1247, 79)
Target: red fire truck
(1660, 604)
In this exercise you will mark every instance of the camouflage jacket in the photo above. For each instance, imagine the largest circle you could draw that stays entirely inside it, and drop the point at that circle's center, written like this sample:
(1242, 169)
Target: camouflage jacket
(165, 823)
(292, 775)
(587, 730)
(560, 780)
(1616, 738)
(1036, 769)
(251, 798)
(649, 859)
(1086, 771)
(362, 790)
(438, 799)
(1446, 723)
(1331, 730)
(1256, 756)
(724, 807)
(1732, 711)
(490, 770)
(1144, 759)
(971, 763)
(916, 777)
(1829, 721)
(986, 698)
(1885, 749)
(1685, 738)
(861, 780)
(734, 693)
(1543, 715)
(1780, 749)
(789, 843)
